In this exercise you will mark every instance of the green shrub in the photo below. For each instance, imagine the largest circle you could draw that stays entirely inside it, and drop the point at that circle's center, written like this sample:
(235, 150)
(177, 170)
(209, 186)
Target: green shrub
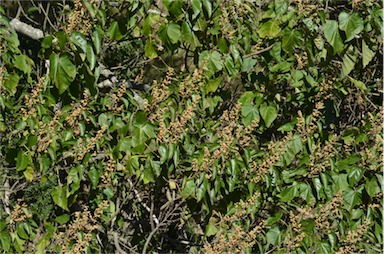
(261, 130)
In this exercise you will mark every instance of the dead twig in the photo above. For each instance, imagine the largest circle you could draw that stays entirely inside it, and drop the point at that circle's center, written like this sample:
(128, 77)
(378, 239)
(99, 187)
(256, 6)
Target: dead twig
(259, 51)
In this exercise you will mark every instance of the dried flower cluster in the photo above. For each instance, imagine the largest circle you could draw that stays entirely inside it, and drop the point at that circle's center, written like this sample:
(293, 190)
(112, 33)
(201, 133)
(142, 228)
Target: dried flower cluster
(371, 154)
(241, 208)
(78, 234)
(237, 241)
(327, 213)
(81, 149)
(106, 177)
(226, 136)
(20, 212)
(33, 99)
(353, 238)
(192, 83)
(238, 238)
(76, 112)
(177, 126)
(188, 88)
(306, 130)
(47, 132)
(273, 154)
(301, 60)
(232, 12)
(319, 159)
(160, 92)
(326, 88)
(115, 98)
(78, 19)
(294, 239)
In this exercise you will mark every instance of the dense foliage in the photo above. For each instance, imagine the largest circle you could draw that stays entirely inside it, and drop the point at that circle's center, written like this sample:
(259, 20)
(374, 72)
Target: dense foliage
(192, 126)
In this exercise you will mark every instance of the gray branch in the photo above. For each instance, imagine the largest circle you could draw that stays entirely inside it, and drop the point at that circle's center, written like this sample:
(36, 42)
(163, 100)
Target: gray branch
(26, 29)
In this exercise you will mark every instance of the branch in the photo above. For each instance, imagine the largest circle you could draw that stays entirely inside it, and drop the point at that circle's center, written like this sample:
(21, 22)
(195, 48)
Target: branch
(26, 29)
(259, 52)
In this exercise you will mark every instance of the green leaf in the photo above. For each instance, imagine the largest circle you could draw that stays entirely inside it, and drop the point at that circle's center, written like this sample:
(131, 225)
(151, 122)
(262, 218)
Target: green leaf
(368, 54)
(11, 81)
(288, 126)
(62, 71)
(114, 32)
(29, 174)
(94, 176)
(354, 175)
(208, 7)
(79, 40)
(21, 231)
(213, 84)
(324, 247)
(269, 29)
(211, 229)
(163, 152)
(108, 192)
(352, 197)
(372, 187)
(248, 64)
(97, 38)
(196, 7)
(281, 7)
(291, 38)
(349, 61)
(352, 24)
(5, 241)
(249, 113)
(62, 219)
(149, 49)
(273, 235)
(359, 84)
(216, 60)
(268, 113)
(91, 57)
(331, 33)
(288, 194)
(23, 63)
(173, 32)
(189, 188)
(148, 176)
(230, 66)
(59, 196)
(22, 160)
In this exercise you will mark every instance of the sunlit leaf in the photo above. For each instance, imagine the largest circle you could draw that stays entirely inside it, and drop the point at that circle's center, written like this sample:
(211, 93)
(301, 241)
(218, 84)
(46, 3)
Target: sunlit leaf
(351, 24)
(331, 33)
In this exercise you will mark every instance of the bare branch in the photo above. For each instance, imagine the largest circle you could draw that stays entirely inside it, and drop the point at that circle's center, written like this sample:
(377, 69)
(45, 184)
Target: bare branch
(26, 29)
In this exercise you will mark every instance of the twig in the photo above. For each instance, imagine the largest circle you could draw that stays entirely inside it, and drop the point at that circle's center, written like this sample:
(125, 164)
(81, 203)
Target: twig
(142, 203)
(259, 52)
(116, 243)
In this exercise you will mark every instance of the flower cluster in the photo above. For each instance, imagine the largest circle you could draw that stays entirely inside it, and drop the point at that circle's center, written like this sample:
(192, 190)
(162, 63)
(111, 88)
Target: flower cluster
(81, 150)
(319, 159)
(160, 92)
(106, 177)
(226, 136)
(274, 151)
(353, 238)
(76, 112)
(20, 213)
(47, 132)
(307, 129)
(78, 20)
(326, 213)
(33, 99)
(115, 98)
(78, 235)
